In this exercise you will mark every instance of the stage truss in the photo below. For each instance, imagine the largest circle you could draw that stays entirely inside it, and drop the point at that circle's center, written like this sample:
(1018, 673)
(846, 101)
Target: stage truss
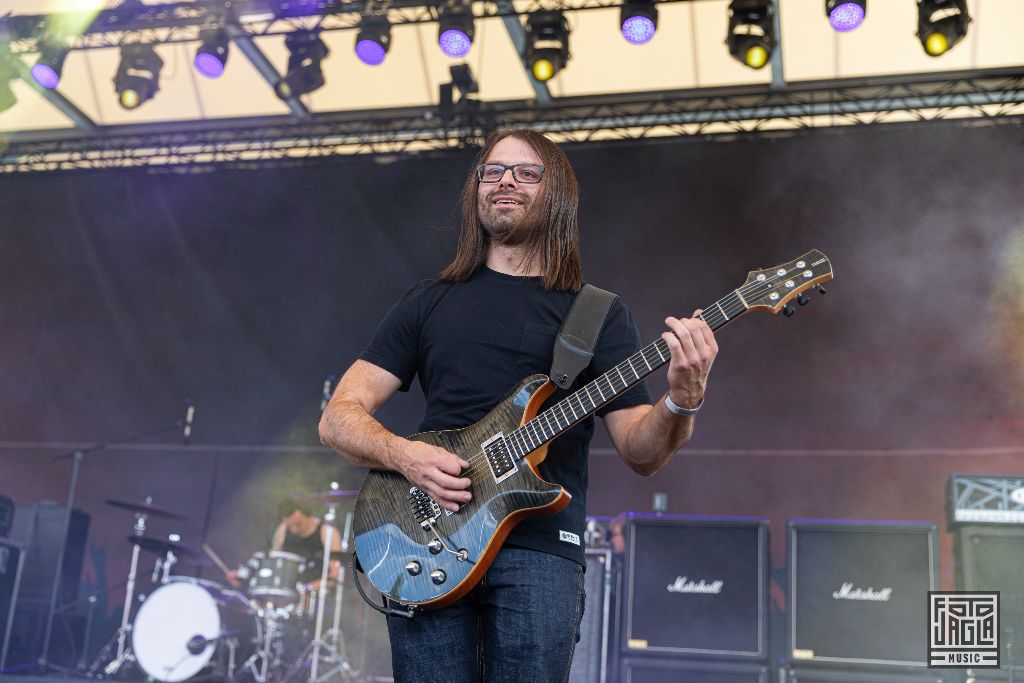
(979, 99)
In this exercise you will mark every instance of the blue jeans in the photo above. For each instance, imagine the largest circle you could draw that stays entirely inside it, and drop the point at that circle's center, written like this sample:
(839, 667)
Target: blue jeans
(521, 623)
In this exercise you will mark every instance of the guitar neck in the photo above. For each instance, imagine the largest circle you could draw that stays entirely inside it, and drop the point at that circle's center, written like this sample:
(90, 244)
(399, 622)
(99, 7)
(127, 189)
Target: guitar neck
(582, 403)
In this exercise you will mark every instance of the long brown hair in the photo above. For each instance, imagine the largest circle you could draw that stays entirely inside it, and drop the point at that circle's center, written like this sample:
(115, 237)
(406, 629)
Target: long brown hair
(556, 244)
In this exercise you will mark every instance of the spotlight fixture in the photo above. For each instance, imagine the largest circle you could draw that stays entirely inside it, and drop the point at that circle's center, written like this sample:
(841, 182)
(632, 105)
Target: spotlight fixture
(455, 30)
(846, 15)
(47, 70)
(212, 55)
(138, 76)
(941, 24)
(751, 37)
(547, 44)
(638, 20)
(373, 40)
(304, 75)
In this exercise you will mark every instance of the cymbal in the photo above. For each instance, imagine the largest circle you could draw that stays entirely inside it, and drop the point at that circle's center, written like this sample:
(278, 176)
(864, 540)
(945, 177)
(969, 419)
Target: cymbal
(144, 508)
(158, 546)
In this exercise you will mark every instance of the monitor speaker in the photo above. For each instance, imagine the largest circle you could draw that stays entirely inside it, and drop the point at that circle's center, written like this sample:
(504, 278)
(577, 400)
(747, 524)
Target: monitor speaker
(676, 670)
(858, 592)
(696, 587)
(590, 659)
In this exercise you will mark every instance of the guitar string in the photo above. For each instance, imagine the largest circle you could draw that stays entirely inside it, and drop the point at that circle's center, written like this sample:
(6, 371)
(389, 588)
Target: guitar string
(478, 462)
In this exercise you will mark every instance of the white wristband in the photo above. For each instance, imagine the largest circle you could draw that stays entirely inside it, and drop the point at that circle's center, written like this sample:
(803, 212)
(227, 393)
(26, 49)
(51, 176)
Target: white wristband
(679, 410)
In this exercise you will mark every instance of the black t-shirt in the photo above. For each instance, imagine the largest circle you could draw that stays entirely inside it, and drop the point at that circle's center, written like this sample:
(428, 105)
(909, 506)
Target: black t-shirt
(310, 547)
(471, 342)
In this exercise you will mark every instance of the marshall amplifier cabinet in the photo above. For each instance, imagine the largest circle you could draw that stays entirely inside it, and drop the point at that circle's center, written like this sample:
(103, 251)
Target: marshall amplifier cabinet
(590, 659)
(696, 587)
(991, 558)
(853, 676)
(651, 670)
(858, 592)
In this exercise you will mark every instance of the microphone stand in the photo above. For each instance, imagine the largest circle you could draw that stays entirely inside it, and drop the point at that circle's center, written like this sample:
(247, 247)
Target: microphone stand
(77, 456)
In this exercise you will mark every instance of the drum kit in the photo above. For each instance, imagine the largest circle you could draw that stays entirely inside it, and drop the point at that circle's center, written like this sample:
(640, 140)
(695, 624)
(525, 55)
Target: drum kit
(269, 630)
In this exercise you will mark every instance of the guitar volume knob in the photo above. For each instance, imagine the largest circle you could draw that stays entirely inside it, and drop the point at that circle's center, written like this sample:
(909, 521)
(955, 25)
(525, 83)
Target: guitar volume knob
(434, 547)
(438, 576)
(413, 567)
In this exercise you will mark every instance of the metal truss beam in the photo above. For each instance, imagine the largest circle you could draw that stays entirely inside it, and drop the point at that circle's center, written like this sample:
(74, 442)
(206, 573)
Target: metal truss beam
(984, 96)
(181, 21)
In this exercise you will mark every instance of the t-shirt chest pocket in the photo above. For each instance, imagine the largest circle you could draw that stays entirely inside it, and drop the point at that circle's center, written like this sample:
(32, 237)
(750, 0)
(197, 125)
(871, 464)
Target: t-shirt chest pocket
(536, 347)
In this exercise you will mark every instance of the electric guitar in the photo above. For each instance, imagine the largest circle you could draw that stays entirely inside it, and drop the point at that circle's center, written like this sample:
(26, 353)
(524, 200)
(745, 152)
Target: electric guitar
(421, 556)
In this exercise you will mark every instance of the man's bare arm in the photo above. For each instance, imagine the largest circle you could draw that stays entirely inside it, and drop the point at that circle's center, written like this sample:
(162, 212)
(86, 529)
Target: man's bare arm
(349, 428)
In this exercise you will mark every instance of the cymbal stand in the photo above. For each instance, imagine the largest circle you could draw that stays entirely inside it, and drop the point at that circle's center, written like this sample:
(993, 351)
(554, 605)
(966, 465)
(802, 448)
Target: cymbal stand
(312, 651)
(339, 591)
(77, 456)
(124, 653)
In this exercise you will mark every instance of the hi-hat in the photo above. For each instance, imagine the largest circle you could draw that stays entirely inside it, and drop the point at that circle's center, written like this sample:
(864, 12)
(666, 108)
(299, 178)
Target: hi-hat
(144, 508)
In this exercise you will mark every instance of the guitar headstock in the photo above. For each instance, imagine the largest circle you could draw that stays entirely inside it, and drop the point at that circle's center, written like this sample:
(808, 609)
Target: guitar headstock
(772, 288)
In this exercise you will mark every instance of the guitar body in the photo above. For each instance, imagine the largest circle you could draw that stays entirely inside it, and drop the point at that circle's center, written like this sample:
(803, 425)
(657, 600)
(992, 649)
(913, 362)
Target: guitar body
(389, 534)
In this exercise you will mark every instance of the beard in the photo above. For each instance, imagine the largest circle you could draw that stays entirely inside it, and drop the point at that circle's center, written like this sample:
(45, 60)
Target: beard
(511, 227)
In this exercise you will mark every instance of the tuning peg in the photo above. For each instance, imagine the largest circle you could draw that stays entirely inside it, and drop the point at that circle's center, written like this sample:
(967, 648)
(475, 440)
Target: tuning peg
(788, 310)
(803, 300)
(821, 290)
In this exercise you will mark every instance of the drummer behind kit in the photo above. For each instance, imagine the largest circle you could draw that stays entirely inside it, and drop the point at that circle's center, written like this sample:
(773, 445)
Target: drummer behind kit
(188, 626)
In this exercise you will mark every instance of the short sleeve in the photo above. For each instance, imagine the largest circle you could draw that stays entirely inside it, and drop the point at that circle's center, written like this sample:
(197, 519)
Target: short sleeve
(619, 339)
(395, 343)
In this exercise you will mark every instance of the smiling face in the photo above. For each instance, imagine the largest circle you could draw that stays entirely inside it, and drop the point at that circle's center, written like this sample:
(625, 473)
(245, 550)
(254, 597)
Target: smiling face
(503, 206)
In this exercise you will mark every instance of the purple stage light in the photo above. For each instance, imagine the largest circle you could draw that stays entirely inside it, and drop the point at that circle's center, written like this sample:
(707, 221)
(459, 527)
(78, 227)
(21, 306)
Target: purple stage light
(846, 16)
(454, 43)
(371, 52)
(638, 30)
(45, 76)
(208, 65)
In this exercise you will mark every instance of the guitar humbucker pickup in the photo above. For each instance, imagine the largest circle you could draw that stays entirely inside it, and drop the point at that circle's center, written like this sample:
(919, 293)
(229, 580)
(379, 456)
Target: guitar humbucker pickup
(501, 462)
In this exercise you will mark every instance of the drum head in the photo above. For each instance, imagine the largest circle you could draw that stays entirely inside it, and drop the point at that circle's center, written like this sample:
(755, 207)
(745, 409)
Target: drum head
(170, 617)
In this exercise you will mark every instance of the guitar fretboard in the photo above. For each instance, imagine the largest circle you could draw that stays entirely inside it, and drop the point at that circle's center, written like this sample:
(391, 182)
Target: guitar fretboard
(579, 405)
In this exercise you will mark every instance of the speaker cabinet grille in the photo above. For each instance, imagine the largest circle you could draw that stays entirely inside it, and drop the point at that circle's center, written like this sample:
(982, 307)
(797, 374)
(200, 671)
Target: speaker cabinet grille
(858, 591)
(696, 586)
(648, 670)
(589, 661)
(992, 558)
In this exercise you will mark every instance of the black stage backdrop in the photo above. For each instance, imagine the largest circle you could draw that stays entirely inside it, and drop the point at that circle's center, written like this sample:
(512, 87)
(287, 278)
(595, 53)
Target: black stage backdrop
(124, 292)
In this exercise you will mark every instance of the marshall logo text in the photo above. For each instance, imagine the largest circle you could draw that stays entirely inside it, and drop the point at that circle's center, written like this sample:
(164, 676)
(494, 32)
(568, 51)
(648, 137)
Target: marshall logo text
(683, 585)
(869, 594)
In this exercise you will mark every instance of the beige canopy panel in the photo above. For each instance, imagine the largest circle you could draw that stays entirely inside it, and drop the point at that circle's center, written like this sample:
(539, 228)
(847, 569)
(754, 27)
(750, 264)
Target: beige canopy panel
(688, 52)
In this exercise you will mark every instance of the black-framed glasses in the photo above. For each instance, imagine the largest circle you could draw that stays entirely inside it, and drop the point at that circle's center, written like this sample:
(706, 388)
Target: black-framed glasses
(523, 173)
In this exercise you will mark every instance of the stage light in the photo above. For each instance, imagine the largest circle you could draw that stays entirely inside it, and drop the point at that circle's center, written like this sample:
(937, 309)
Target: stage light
(304, 72)
(138, 76)
(455, 30)
(47, 69)
(845, 15)
(941, 24)
(373, 40)
(547, 43)
(751, 37)
(638, 20)
(212, 55)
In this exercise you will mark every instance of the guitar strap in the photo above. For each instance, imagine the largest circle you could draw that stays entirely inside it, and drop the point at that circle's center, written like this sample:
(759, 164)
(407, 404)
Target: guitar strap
(574, 345)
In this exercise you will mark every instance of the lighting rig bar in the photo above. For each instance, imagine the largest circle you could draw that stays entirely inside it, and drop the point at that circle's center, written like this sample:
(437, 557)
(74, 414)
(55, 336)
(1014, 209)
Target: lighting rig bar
(983, 97)
(182, 21)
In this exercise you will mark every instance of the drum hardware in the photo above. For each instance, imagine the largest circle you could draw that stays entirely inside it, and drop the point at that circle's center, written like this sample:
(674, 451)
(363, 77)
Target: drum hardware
(331, 642)
(77, 456)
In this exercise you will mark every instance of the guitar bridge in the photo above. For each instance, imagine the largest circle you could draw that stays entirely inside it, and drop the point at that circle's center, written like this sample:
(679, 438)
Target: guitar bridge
(424, 510)
(501, 462)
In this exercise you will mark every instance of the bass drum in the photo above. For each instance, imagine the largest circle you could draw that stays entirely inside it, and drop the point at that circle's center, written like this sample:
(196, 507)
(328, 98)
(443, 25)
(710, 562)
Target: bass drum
(188, 625)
